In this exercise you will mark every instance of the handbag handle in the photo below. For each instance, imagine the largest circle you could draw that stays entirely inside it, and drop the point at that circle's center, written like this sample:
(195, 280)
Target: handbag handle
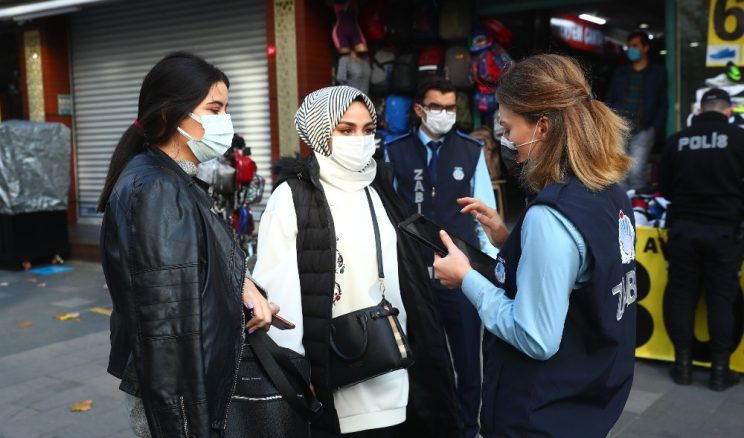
(378, 246)
(274, 361)
(362, 318)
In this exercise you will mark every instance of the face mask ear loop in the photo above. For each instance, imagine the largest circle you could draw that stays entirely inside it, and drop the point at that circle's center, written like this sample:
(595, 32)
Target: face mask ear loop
(532, 142)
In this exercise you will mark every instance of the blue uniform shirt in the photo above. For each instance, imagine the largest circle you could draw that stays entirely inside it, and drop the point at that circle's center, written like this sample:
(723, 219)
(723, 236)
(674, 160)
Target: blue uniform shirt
(533, 320)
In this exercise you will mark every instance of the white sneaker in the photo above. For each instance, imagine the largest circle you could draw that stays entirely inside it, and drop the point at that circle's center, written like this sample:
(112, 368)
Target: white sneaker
(719, 81)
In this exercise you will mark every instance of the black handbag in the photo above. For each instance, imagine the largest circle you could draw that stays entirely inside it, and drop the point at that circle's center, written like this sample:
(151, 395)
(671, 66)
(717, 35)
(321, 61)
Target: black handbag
(272, 397)
(368, 342)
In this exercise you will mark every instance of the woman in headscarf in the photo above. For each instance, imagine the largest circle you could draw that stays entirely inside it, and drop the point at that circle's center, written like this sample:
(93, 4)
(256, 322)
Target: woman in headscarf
(320, 212)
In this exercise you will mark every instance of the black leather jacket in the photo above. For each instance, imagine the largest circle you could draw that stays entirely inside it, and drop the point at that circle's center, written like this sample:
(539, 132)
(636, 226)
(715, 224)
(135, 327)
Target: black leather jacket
(175, 275)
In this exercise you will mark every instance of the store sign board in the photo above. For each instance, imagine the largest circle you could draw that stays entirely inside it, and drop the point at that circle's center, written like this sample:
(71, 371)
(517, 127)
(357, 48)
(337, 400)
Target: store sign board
(725, 33)
(577, 33)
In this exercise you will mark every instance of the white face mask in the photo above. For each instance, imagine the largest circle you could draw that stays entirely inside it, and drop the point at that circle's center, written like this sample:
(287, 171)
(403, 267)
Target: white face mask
(218, 135)
(439, 123)
(352, 152)
(509, 144)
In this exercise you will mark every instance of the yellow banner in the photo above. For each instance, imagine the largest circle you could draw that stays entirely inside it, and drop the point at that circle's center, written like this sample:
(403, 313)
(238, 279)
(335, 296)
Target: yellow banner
(725, 33)
(652, 340)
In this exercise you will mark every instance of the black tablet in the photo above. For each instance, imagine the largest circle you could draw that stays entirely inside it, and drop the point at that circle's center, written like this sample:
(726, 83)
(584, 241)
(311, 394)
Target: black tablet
(426, 232)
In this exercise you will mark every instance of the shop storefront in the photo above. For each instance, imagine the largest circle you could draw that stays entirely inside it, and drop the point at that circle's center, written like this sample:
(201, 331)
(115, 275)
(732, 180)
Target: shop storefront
(113, 45)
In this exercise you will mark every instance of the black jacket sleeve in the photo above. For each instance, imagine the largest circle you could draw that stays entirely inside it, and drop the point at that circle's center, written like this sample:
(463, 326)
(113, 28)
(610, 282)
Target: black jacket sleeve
(166, 261)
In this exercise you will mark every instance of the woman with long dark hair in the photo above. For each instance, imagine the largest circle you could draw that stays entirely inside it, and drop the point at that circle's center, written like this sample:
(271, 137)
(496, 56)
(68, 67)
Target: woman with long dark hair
(176, 275)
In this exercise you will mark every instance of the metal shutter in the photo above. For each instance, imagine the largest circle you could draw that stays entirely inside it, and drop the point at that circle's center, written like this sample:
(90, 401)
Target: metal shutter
(115, 44)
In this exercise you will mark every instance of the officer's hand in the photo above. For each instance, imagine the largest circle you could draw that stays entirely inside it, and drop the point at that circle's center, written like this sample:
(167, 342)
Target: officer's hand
(492, 223)
(451, 270)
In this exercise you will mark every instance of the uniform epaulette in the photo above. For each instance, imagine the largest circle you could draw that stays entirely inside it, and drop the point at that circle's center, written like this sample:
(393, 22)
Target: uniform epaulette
(399, 137)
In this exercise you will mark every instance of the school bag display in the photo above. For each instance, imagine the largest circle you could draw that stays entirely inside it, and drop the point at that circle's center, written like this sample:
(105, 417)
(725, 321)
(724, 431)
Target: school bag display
(455, 20)
(382, 72)
(457, 66)
(397, 113)
(404, 73)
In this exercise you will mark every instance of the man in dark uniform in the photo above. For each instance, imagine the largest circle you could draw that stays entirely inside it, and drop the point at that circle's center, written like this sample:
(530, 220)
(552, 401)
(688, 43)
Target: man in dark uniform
(434, 166)
(701, 174)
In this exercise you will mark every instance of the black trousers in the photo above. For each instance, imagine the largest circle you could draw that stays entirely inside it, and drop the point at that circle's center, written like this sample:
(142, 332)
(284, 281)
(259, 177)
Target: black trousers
(463, 327)
(702, 257)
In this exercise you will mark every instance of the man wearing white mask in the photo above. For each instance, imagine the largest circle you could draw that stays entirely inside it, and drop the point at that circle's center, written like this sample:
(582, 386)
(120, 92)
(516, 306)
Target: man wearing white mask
(435, 166)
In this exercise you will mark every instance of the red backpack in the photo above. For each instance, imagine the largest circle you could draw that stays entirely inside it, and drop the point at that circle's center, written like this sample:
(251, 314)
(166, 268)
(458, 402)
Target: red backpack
(371, 19)
(245, 168)
(431, 58)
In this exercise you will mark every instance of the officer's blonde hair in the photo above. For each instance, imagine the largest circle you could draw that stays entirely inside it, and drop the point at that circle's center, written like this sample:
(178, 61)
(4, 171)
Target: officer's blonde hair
(584, 136)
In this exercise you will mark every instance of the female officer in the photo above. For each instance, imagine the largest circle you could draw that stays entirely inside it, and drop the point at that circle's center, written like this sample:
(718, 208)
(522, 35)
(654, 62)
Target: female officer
(558, 355)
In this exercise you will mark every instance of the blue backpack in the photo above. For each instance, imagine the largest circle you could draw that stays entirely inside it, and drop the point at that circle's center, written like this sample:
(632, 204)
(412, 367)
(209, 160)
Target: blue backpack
(397, 113)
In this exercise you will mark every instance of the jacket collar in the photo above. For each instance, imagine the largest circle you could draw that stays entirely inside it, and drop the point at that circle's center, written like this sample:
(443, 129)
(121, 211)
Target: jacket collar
(170, 164)
(709, 116)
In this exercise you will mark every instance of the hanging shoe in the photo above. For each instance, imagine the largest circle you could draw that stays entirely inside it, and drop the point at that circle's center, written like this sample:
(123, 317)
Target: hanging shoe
(719, 81)
(733, 72)
(681, 370)
(721, 377)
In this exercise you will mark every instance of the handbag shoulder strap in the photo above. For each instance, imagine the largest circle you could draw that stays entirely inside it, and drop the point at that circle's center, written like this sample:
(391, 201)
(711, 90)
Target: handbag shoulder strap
(378, 245)
(275, 363)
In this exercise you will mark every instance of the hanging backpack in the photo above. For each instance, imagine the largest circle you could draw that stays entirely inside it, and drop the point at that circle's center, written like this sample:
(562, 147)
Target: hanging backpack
(464, 120)
(404, 73)
(397, 113)
(398, 19)
(486, 67)
(371, 20)
(430, 61)
(457, 66)
(382, 72)
(245, 168)
(426, 21)
(501, 33)
(455, 20)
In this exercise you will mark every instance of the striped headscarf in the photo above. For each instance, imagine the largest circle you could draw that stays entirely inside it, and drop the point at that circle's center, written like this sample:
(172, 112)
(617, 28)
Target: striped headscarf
(321, 111)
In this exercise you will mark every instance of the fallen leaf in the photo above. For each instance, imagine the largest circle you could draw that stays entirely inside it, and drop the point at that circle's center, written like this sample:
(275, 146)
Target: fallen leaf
(82, 406)
(101, 311)
(68, 316)
(25, 324)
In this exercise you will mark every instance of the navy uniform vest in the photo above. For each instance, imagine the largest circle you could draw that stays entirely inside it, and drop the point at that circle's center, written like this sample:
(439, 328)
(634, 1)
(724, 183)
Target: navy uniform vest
(458, 157)
(582, 389)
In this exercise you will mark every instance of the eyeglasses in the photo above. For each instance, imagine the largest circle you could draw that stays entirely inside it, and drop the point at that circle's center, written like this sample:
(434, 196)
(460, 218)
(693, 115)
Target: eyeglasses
(436, 108)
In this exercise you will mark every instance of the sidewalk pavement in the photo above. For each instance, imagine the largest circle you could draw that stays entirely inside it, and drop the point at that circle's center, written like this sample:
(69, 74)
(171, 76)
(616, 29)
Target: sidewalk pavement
(49, 366)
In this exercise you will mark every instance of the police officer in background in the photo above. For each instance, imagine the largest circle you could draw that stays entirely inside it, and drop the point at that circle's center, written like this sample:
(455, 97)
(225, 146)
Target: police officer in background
(435, 166)
(701, 174)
